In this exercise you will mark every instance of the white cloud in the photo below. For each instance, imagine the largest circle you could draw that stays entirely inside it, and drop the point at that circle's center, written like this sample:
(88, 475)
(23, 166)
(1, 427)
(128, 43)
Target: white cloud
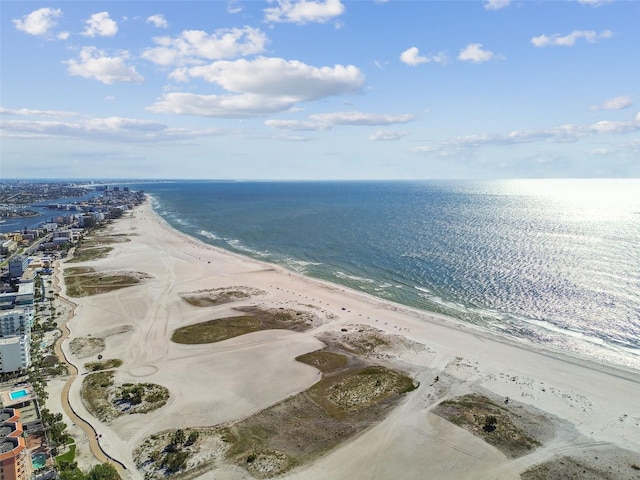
(233, 7)
(296, 125)
(260, 87)
(561, 134)
(221, 106)
(558, 40)
(193, 46)
(304, 11)
(359, 118)
(412, 57)
(109, 129)
(63, 36)
(617, 103)
(496, 4)
(35, 113)
(387, 135)
(474, 53)
(326, 121)
(158, 20)
(38, 22)
(99, 24)
(95, 64)
(275, 77)
(594, 3)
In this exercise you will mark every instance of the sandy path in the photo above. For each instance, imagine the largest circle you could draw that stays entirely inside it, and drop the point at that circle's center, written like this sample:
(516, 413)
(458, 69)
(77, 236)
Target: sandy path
(87, 427)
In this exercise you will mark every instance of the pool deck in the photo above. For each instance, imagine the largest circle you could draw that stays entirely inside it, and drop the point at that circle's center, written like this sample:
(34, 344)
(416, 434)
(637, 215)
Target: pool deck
(9, 402)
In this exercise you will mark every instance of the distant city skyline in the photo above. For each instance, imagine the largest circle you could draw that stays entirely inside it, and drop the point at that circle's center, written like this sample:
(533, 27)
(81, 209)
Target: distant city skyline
(320, 90)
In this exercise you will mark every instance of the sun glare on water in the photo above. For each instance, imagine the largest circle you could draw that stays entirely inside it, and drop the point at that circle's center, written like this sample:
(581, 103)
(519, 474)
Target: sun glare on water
(582, 199)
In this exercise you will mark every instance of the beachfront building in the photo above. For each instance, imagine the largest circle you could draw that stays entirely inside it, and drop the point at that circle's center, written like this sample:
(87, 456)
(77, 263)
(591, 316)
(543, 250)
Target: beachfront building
(8, 246)
(70, 235)
(15, 353)
(18, 265)
(21, 295)
(12, 446)
(16, 320)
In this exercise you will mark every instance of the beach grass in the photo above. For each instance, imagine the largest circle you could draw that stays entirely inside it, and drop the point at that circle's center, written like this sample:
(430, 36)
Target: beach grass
(85, 281)
(100, 365)
(218, 296)
(83, 347)
(495, 424)
(296, 430)
(324, 361)
(255, 319)
(86, 254)
(106, 400)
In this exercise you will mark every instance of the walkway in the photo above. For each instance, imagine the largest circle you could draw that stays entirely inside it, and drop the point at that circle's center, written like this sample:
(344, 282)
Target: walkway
(94, 444)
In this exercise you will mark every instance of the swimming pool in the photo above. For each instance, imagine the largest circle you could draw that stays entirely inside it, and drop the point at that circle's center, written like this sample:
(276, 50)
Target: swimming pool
(38, 460)
(17, 394)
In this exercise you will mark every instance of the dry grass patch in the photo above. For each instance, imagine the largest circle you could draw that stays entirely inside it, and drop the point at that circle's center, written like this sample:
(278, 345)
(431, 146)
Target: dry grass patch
(100, 240)
(83, 347)
(85, 281)
(608, 463)
(368, 341)
(218, 296)
(85, 254)
(255, 319)
(107, 400)
(107, 364)
(292, 432)
(508, 428)
(324, 360)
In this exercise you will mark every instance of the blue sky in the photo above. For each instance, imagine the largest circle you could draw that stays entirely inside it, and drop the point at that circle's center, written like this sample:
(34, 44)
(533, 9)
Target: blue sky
(332, 89)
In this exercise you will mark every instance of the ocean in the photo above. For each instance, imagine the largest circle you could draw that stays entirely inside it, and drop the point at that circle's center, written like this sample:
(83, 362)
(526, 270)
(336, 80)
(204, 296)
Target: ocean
(553, 262)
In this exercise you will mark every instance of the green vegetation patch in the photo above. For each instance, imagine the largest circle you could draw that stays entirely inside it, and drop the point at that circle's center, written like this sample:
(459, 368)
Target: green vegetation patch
(102, 471)
(292, 432)
(95, 388)
(496, 424)
(218, 296)
(100, 240)
(324, 360)
(107, 364)
(68, 456)
(303, 427)
(106, 400)
(351, 391)
(180, 451)
(255, 319)
(85, 254)
(85, 281)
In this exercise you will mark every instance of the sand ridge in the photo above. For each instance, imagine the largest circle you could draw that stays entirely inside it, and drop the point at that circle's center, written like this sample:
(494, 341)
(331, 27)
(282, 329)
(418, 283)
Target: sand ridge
(211, 384)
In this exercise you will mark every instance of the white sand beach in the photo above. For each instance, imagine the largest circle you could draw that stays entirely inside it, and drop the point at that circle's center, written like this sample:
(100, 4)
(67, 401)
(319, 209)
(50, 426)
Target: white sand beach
(593, 408)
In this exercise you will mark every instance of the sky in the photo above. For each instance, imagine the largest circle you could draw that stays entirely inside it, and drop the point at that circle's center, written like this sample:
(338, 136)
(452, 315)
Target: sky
(320, 89)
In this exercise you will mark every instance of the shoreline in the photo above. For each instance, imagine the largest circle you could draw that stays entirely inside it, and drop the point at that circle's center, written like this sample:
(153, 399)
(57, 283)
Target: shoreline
(623, 371)
(538, 333)
(592, 397)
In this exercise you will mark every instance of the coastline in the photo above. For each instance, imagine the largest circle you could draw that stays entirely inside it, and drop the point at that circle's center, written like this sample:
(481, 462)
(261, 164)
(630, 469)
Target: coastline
(238, 377)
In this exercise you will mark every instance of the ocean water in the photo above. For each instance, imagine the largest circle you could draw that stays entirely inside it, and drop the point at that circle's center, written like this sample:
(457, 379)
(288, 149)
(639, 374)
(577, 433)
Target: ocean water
(553, 262)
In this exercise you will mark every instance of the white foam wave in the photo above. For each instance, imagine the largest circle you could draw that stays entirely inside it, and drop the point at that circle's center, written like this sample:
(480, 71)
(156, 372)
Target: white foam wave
(355, 278)
(209, 235)
(237, 245)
